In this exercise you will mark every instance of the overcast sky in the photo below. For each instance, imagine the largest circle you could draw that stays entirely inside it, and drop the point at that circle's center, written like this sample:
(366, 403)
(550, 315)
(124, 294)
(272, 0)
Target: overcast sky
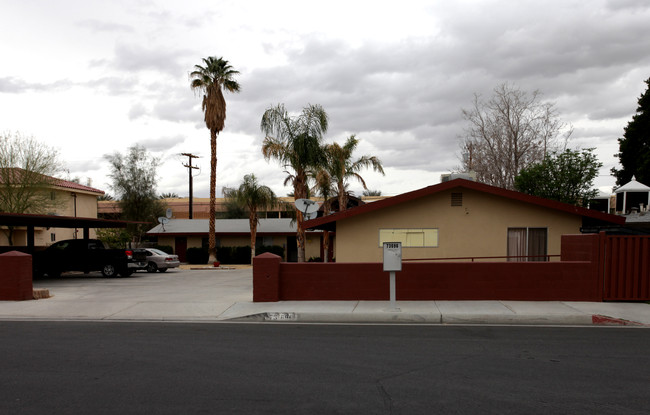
(94, 77)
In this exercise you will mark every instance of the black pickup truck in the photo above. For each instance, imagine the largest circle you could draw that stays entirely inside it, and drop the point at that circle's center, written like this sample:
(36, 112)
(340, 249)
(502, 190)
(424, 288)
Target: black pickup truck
(87, 255)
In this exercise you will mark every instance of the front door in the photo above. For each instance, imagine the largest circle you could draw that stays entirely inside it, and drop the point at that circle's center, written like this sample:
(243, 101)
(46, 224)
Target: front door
(181, 248)
(292, 249)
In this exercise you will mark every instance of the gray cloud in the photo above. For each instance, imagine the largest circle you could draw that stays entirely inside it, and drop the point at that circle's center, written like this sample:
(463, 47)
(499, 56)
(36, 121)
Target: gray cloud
(131, 57)
(97, 25)
(418, 86)
(160, 144)
(115, 85)
(402, 97)
(14, 85)
(178, 107)
(83, 165)
(413, 90)
(137, 110)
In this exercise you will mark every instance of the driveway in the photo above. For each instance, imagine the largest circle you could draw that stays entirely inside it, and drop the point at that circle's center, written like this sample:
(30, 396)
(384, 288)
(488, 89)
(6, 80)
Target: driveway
(177, 294)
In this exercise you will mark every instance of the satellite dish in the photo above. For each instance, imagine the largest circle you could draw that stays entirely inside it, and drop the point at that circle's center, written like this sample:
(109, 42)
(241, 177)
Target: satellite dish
(310, 216)
(306, 206)
(169, 213)
(163, 220)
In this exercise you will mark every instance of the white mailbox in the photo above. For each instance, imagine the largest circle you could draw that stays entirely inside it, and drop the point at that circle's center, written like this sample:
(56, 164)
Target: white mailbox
(392, 256)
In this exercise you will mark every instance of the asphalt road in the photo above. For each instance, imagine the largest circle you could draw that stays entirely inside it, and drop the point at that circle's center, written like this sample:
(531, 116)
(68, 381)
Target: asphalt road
(158, 368)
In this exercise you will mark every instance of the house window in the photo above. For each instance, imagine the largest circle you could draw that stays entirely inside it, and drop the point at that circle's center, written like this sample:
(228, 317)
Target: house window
(527, 244)
(457, 199)
(410, 237)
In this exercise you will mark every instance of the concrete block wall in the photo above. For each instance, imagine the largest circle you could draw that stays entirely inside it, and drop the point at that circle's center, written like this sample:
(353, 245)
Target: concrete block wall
(16, 276)
(576, 278)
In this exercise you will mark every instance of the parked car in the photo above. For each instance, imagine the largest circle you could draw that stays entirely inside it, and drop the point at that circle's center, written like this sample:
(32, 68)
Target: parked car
(87, 255)
(158, 260)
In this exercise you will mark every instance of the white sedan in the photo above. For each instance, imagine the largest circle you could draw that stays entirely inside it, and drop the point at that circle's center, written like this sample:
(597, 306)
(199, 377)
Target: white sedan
(158, 260)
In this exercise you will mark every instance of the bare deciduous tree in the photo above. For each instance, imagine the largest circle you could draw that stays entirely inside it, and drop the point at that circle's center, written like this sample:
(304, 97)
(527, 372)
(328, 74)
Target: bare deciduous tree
(26, 182)
(509, 132)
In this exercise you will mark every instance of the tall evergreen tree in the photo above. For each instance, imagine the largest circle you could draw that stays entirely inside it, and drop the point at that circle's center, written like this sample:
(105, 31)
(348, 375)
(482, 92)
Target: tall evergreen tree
(634, 147)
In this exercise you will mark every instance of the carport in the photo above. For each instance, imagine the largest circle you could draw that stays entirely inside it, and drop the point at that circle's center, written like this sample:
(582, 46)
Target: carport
(16, 269)
(50, 221)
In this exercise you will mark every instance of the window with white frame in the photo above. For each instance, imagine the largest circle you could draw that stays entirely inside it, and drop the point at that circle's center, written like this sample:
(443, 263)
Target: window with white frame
(410, 237)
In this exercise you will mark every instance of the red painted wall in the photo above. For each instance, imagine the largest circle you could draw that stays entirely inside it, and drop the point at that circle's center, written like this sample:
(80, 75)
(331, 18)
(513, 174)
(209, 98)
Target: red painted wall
(626, 270)
(576, 279)
(16, 276)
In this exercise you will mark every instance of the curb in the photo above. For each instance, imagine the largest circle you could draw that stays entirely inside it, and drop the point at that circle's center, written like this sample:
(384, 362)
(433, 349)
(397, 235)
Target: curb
(455, 319)
(293, 317)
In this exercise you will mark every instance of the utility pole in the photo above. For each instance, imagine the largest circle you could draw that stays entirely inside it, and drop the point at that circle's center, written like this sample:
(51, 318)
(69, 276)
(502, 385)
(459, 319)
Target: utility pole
(190, 167)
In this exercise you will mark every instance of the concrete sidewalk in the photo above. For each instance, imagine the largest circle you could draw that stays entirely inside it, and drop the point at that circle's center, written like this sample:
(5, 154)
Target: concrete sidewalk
(445, 312)
(226, 295)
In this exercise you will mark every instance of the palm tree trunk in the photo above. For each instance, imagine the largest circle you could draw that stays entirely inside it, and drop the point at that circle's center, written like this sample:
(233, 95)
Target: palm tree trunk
(326, 245)
(212, 240)
(300, 192)
(300, 236)
(253, 225)
(10, 235)
(343, 197)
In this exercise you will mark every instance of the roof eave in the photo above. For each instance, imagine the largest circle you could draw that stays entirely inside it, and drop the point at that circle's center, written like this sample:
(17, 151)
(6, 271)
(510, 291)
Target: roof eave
(319, 223)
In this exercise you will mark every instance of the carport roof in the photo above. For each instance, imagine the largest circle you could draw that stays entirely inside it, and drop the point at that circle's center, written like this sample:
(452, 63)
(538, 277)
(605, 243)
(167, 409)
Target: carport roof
(179, 227)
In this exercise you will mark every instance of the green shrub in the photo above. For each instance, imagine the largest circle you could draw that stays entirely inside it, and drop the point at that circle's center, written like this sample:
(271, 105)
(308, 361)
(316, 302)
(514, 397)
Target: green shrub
(275, 249)
(234, 254)
(197, 255)
(242, 254)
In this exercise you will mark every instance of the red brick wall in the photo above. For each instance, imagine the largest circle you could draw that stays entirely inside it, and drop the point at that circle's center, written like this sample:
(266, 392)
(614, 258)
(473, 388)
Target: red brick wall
(568, 280)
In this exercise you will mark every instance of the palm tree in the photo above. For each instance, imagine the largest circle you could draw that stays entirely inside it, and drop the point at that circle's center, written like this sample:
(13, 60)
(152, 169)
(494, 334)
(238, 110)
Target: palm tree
(216, 74)
(325, 188)
(296, 143)
(253, 197)
(341, 167)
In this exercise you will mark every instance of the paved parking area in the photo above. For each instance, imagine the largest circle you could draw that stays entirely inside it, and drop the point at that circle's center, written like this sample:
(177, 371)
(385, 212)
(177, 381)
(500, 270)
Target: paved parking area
(177, 294)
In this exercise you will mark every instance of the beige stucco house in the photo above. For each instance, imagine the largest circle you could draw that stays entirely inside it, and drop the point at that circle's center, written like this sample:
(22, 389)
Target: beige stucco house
(458, 219)
(73, 200)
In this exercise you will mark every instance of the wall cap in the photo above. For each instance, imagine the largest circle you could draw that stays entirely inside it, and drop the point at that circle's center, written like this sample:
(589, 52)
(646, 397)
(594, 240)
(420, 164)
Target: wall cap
(14, 253)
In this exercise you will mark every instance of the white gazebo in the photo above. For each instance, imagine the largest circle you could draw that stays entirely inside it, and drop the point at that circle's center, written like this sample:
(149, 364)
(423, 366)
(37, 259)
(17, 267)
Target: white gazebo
(632, 196)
